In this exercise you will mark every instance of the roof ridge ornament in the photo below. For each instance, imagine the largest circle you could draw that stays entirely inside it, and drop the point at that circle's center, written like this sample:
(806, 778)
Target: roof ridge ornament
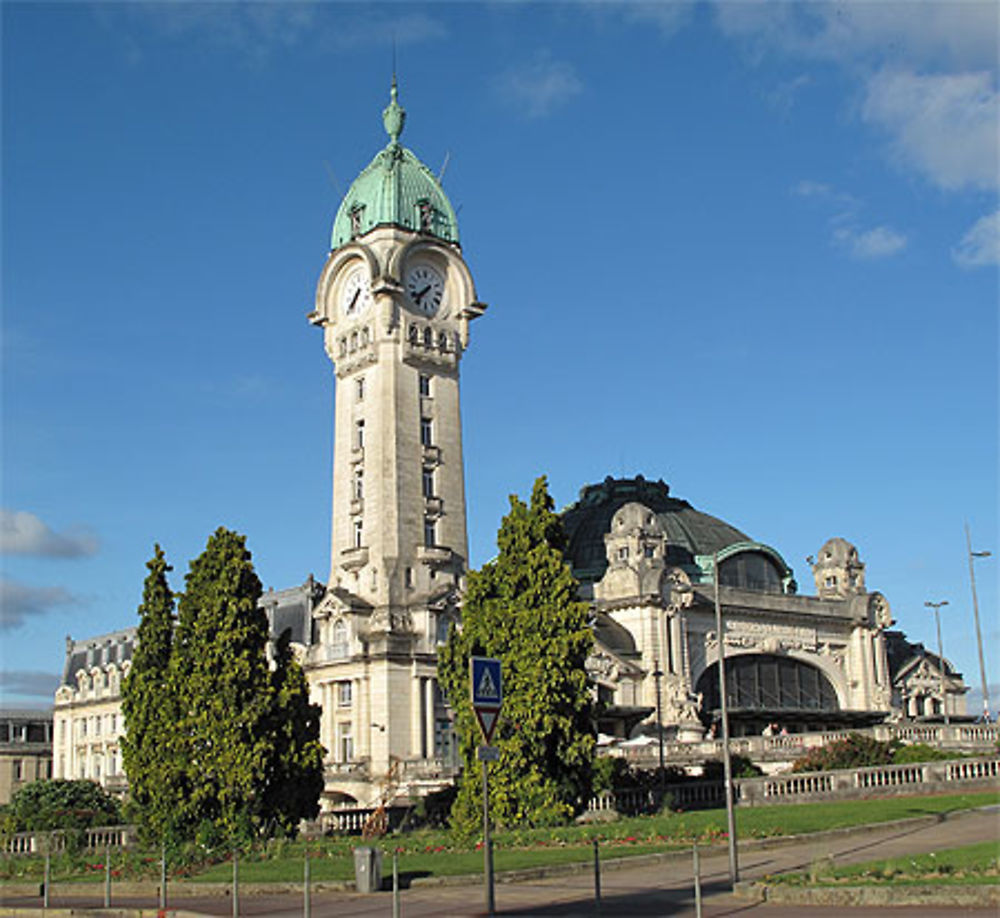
(393, 116)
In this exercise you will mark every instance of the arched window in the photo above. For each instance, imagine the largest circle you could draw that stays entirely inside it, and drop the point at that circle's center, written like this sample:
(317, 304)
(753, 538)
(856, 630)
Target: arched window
(767, 682)
(751, 570)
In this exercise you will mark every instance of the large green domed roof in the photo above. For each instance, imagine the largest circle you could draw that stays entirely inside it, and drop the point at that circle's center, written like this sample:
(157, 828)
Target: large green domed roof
(396, 189)
(689, 532)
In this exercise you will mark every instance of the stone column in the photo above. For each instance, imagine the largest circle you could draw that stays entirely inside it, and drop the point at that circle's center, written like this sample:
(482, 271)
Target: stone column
(416, 712)
(429, 702)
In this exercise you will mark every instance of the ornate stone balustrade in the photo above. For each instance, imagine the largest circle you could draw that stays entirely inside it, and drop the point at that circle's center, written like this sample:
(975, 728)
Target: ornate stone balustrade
(96, 839)
(958, 737)
(883, 781)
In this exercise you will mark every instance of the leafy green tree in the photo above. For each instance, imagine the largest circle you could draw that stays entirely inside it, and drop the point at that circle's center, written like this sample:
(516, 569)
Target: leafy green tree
(149, 704)
(219, 669)
(522, 608)
(296, 777)
(61, 804)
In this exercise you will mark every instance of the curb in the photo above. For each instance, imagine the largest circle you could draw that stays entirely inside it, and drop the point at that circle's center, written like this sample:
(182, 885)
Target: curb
(964, 896)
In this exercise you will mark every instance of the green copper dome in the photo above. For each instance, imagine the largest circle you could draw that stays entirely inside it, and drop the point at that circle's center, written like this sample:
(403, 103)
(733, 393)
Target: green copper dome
(396, 189)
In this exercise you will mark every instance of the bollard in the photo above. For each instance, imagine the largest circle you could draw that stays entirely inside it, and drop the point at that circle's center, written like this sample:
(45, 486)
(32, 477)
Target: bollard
(395, 883)
(306, 897)
(48, 878)
(236, 885)
(597, 876)
(697, 881)
(107, 876)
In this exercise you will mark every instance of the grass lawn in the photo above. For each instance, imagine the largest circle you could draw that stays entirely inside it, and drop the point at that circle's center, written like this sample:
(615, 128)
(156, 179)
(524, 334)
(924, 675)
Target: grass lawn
(437, 852)
(972, 864)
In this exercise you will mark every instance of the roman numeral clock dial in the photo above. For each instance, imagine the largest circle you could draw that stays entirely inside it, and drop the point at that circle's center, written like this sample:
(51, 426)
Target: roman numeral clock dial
(425, 289)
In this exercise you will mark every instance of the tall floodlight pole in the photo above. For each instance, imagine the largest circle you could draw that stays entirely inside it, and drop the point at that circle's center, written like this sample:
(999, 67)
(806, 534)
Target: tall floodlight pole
(937, 621)
(727, 765)
(975, 611)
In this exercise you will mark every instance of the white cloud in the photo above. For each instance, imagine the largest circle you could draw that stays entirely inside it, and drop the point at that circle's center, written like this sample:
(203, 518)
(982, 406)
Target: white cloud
(943, 126)
(926, 73)
(669, 17)
(946, 34)
(980, 246)
(18, 602)
(878, 242)
(30, 683)
(539, 86)
(23, 533)
(847, 233)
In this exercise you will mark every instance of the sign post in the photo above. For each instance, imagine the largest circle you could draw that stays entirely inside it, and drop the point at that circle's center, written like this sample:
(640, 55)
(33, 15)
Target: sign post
(486, 687)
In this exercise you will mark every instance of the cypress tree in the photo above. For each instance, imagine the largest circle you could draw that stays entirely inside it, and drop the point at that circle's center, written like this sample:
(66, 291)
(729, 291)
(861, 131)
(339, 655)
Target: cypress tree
(295, 780)
(219, 667)
(522, 608)
(149, 706)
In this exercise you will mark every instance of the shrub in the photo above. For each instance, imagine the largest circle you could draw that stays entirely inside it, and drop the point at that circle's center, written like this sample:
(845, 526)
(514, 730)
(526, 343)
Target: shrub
(921, 752)
(854, 751)
(61, 804)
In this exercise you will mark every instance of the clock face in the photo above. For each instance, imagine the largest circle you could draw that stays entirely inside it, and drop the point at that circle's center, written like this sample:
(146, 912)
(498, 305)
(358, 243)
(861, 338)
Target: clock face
(425, 288)
(356, 295)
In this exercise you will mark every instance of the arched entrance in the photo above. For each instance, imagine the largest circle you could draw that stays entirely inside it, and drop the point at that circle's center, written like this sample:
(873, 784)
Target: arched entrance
(763, 689)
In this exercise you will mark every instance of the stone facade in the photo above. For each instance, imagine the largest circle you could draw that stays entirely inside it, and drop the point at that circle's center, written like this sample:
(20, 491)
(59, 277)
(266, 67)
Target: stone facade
(25, 749)
(648, 562)
(87, 718)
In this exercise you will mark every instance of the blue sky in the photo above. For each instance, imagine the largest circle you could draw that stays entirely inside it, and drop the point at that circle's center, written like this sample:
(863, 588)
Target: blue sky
(751, 249)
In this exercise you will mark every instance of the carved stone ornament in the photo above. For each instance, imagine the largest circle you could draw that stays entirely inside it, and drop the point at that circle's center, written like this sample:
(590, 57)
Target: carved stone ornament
(677, 590)
(330, 605)
(390, 620)
(878, 611)
(680, 705)
(601, 666)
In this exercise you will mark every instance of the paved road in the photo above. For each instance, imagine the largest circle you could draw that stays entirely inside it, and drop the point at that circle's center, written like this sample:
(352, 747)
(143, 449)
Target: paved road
(663, 889)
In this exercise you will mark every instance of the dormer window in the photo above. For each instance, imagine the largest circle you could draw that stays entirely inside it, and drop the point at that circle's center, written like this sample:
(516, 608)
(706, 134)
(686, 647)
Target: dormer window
(648, 551)
(831, 582)
(623, 553)
(356, 213)
(425, 210)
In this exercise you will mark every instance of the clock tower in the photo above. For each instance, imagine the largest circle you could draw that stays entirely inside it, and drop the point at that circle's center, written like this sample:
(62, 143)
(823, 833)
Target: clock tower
(394, 300)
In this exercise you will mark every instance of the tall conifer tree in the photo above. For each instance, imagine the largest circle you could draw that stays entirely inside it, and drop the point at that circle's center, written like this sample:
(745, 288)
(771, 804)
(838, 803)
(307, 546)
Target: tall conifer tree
(149, 706)
(220, 669)
(522, 608)
(295, 780)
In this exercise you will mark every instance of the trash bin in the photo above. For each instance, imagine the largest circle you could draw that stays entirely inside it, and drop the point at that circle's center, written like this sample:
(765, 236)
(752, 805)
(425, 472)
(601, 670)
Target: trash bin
(367, 869)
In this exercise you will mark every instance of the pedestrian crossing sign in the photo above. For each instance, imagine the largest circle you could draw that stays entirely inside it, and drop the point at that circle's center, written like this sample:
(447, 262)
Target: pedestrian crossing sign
(487, 693)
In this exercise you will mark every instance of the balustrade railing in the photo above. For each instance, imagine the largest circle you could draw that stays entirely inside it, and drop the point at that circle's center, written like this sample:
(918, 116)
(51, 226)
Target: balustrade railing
(95, 839)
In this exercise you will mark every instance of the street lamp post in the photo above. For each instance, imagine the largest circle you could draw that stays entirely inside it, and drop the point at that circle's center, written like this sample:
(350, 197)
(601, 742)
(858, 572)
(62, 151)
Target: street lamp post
(727, 765)
(975, 611)
(657, 675)
(937, 621)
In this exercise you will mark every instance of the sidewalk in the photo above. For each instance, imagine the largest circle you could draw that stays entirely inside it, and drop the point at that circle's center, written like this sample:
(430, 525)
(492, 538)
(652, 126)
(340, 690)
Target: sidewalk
(656, 886)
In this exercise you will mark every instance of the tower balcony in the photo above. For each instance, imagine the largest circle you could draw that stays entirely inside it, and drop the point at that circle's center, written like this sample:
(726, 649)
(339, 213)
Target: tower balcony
(436, 555)
(354, 558)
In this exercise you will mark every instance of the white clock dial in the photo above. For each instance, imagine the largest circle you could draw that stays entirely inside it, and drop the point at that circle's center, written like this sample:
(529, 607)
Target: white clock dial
(356, 295)
(425, 288)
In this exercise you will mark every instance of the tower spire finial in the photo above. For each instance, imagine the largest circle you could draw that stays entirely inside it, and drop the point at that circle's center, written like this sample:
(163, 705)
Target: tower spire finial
(394, 115)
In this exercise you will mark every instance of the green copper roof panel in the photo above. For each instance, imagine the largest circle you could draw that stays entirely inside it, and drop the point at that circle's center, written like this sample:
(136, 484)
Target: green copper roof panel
(396, 189)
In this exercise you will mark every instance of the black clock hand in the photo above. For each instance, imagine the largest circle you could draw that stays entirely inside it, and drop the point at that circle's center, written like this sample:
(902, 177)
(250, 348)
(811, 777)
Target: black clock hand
(354, 299)
(417, 297)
